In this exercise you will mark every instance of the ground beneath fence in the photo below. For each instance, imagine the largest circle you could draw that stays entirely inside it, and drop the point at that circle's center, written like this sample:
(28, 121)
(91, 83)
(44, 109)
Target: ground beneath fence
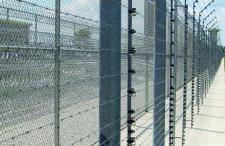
(209, 126)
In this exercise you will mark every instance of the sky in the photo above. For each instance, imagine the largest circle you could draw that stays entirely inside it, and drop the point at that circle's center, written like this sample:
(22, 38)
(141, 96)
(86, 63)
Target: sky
(219, 6)
(220, 12)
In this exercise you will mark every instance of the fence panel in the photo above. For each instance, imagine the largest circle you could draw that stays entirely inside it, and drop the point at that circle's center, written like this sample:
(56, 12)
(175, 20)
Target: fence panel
(27, 75)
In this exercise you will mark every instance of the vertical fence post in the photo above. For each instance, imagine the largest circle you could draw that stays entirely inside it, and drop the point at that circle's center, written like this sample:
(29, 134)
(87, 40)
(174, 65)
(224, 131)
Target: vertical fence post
(147, 45)
(207, 61)
(172, 95)
(198, 70)
(193, 64)
(57, 74)
(211, 54)
(131, 91)
(210, 57)
(147, 82)
(185, 73)
(159, 75)
(110, 72)
(202, 62)
(149, 30)
(214, 55)
(7, 14)
(74, 35)
(35, 30)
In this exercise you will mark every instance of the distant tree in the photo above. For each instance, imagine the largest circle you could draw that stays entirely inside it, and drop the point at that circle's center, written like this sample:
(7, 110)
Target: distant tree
(83, 38)
(215, 30)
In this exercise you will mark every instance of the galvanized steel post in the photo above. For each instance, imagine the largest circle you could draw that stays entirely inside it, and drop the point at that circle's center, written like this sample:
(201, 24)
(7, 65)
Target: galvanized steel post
(159, 75)
(193, 96)
(57, 75)
(198, 70)
(130, 91)
(110, 72)
(173, 64)
(185, 73)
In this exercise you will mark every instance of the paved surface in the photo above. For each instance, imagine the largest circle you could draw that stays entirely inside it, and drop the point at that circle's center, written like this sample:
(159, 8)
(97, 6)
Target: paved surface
(209, 126)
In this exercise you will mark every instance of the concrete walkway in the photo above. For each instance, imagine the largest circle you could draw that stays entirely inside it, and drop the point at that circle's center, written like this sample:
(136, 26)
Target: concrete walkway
(209, 126)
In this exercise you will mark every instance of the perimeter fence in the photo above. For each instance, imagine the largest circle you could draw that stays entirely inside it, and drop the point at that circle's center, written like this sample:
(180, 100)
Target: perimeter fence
(100, 72)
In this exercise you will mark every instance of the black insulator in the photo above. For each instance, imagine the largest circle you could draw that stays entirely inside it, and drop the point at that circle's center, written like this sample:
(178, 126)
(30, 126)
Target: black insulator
(131, 140)
(132, 91)
(132, 71)
(132, 51)
(133, 12)
(132, 31)
(131, 111)
(131, 121)
(131, 131)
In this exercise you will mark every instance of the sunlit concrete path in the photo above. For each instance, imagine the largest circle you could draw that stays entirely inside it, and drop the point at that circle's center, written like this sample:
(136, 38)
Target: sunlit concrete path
(209, 127)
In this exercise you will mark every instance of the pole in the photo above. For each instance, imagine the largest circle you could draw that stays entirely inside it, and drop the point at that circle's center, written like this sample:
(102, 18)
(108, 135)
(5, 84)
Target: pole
(57, 74)
(185, 73)
(147, 44)
(159, 75)
(35, 30)
(193, 64)
(110, 72)
(131, 91)
(147, 82)
(7, 14)
(74, 35)
(173, 64)
(198, 71)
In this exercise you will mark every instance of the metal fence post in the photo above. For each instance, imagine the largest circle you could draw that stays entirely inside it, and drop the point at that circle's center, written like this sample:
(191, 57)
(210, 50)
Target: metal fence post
(149, 31)
(74, 35)
(35, 30)
(207, 62)
(185, 73)
(147, 44)
(193, 64)
(147, 83)
(211, 57)
(159, 75)
(7, 14)
(198, 70)
(57, 74)
(173, 64)
(202, 63)
(110, 72)
(131, 91)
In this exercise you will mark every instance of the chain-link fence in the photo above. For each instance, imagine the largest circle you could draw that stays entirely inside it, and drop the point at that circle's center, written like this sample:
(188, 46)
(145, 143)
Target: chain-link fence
(96, 72)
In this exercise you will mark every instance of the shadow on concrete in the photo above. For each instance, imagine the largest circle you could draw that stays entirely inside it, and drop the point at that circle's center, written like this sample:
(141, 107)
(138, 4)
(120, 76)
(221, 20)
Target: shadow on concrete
(219, 99)
(211, 116)
(207, 130)
(214, 106)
